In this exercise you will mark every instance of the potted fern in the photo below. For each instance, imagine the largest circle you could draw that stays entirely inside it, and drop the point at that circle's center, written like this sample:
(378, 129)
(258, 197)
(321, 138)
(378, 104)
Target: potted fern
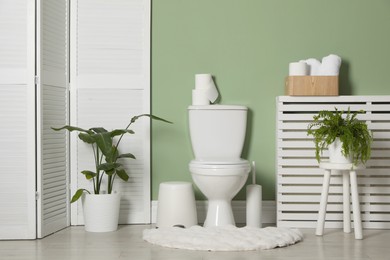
(348, 139)
(101, 206)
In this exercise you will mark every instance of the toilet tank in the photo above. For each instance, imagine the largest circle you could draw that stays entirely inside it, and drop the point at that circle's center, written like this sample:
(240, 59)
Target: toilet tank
(217, 132)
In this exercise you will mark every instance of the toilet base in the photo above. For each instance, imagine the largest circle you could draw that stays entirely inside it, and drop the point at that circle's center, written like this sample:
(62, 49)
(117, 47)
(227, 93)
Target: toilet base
(219, 213)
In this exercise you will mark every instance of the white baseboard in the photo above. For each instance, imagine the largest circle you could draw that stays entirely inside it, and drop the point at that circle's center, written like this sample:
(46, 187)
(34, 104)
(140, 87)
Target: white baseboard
(239, 210)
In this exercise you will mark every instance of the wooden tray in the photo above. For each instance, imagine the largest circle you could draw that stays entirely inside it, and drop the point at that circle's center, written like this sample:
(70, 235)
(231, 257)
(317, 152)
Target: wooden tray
(312, 86)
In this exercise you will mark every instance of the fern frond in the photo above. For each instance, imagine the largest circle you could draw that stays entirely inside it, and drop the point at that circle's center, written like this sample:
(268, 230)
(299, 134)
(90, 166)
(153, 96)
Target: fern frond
(353, 133)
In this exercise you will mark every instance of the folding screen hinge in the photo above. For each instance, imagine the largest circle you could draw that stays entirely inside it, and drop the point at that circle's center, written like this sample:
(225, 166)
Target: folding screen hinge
(69, 193)
(36, 80)
(36, 195)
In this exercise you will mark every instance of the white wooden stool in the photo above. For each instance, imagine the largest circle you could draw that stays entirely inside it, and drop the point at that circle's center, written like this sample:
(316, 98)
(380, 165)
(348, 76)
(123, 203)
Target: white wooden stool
(349, 177)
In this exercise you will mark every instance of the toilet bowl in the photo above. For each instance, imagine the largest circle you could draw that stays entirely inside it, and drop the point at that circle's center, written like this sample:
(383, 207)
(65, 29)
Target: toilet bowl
(219, 183)
(217, 136)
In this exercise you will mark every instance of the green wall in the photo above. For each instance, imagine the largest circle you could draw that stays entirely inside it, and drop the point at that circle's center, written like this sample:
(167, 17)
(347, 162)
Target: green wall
(247, 45)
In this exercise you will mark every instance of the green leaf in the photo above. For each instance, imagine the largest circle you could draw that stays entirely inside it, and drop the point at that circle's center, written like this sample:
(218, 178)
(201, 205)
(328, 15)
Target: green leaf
(86, 138)
(104, 142)
(71, 129)
(117, 132)
(113, 155)
(78, 194)
(160, 119)
(127, 155)
(110, 172)
(89, 174)
(122, 174)
(151, 116)
(98, 130)
(108, 166)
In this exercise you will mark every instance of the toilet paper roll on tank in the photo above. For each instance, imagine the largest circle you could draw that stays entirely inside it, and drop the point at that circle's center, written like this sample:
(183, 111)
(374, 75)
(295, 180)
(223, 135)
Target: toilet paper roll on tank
(329, 66)
(205, 90)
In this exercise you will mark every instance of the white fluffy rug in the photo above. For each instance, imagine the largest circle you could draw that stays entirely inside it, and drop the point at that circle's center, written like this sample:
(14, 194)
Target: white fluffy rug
(228, 238)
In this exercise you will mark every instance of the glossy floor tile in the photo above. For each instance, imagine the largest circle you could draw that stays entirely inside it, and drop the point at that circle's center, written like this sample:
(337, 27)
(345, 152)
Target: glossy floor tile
(127, 243)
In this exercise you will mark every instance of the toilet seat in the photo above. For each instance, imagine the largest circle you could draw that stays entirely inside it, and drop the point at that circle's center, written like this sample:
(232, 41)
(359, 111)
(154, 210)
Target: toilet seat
(214, 168)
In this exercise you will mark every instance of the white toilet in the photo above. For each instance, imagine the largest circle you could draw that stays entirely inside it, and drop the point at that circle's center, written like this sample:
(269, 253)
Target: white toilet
(217, 135)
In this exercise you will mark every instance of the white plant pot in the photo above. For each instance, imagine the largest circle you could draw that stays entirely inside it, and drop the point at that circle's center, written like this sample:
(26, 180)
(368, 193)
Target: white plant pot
(335, 154)
(101, 212)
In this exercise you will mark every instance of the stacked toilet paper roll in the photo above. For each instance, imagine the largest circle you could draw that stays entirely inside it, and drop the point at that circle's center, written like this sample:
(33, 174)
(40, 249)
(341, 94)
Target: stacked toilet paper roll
(329, 66)
(205, 90)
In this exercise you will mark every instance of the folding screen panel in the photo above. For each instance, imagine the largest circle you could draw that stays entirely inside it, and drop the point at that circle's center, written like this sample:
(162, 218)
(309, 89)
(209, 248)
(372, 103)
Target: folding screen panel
(299, 179)
(53, 111)
(17, 119)
(34, 96)
(110, 84)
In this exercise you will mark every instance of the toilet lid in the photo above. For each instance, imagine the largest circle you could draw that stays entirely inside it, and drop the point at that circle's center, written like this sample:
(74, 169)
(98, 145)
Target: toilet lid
(220, 165)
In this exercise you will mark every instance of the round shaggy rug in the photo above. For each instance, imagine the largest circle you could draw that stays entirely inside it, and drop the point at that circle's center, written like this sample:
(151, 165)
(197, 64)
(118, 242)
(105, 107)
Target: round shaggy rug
(228, 238)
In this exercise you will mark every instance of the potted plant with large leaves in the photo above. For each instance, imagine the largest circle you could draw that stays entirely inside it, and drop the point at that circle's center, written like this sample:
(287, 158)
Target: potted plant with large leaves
(101, 207)
(347, 138)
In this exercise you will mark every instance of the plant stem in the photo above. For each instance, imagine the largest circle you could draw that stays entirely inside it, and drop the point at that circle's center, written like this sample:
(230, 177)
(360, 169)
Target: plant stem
(109, 186)
(112, 178)
(101, 177)
(97, 184)
(120, 138)
(127, 127)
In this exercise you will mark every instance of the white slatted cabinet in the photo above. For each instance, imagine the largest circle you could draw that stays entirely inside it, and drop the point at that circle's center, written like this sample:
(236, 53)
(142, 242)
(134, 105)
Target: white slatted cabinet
(299, 180)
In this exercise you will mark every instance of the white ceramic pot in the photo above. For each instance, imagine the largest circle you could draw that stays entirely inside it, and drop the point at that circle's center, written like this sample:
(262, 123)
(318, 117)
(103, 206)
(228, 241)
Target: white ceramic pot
(101, 212)
(335, 154)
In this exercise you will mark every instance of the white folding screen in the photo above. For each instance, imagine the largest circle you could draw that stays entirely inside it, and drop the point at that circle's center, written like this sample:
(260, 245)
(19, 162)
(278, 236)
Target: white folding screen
(17, 117)
(33, 97)
(299, 179)
(110, 83)
(53, 111)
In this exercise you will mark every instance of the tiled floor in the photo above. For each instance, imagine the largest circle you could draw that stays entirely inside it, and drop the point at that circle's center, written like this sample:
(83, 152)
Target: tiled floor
(127, 243)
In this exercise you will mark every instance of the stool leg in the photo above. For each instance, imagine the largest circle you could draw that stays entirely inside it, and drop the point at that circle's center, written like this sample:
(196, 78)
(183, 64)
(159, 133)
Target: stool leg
(357, 221)
(323, 203)
(346, 203)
